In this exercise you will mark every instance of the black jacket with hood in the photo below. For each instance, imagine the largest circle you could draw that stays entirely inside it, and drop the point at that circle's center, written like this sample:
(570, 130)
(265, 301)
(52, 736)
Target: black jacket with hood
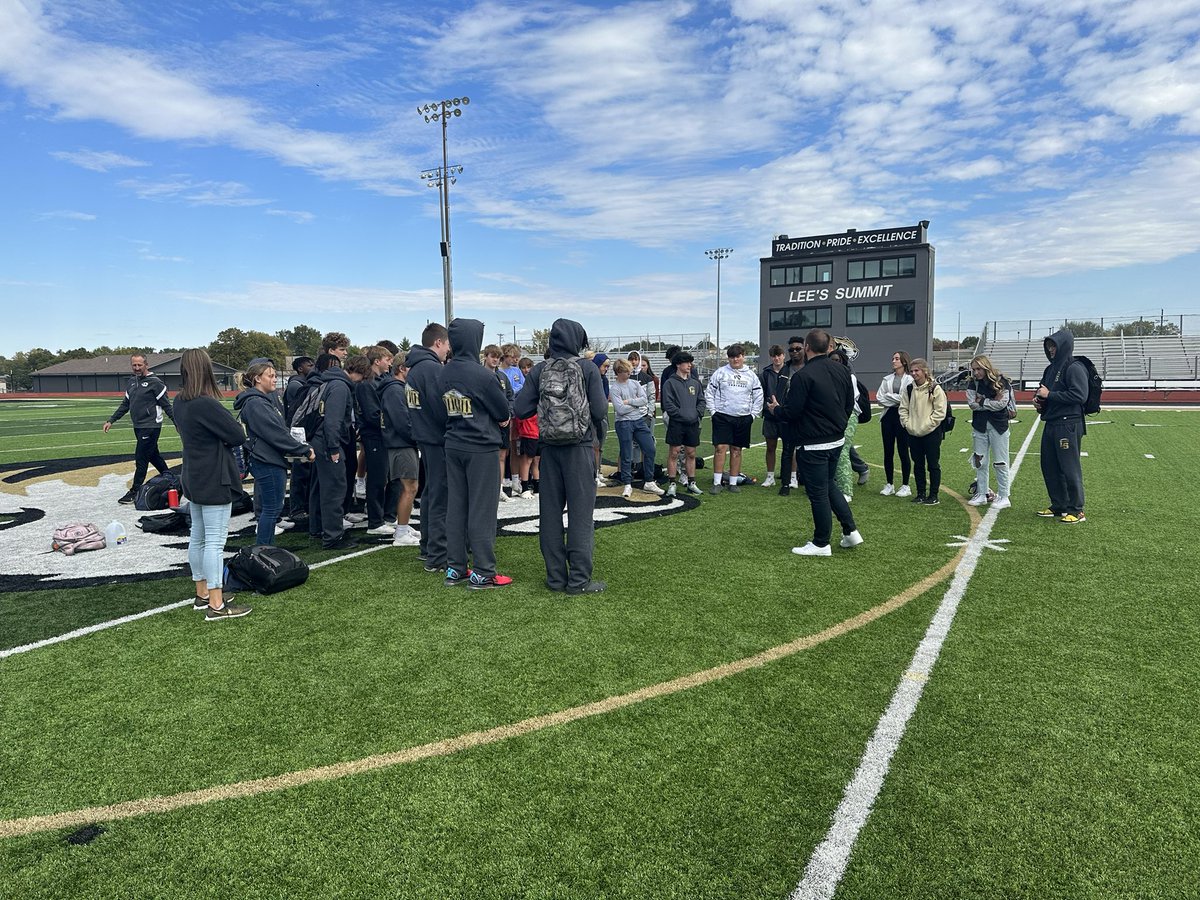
(394, 416)
(268, 437)
(567, 339)
(336, 430)
(1068, 384)
(474, 402)
(423, 391)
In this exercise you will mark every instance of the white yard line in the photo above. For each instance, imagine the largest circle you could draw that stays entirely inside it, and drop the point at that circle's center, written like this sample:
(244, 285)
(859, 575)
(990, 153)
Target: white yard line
(113, 623)
(829, 860)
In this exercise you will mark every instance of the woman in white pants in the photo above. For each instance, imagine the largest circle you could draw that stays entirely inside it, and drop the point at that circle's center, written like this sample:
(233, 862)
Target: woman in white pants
(988, 397)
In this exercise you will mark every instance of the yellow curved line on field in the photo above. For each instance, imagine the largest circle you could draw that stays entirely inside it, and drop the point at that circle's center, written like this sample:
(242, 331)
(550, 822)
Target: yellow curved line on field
(129, 809)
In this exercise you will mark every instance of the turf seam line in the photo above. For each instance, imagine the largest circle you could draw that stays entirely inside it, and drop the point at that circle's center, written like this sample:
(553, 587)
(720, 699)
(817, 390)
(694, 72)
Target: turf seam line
(829, 860)
(238, 790)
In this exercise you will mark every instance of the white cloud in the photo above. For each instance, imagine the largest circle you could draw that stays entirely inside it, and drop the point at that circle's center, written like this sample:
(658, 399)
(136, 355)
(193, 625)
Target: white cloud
(98, 161)
(195, 193)
(68, 214)
(298, 216)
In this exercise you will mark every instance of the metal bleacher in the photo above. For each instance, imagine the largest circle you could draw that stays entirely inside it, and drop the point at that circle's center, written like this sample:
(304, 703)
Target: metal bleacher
(1120, 358)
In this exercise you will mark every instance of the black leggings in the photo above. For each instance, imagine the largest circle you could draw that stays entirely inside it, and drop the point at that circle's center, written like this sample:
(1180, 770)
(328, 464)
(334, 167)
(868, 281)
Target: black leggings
(927, 450)
(894, 436)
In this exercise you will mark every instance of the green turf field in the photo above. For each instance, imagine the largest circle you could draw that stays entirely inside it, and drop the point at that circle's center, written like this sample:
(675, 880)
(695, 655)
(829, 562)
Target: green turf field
(373, 734)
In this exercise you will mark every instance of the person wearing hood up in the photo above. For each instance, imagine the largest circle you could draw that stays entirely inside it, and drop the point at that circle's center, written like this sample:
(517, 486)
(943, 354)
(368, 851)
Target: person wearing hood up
(327, 494)
(1060, 397)
(476, 412)
(567, 469)
(270, 444)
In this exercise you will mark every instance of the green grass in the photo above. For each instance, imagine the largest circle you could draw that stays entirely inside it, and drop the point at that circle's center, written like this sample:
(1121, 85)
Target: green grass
(1051, 755)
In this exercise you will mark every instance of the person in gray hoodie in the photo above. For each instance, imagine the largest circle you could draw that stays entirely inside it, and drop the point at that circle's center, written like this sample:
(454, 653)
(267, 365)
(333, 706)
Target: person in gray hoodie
(1060, 397)
(476, 411)
(567, 477)
(270, 444)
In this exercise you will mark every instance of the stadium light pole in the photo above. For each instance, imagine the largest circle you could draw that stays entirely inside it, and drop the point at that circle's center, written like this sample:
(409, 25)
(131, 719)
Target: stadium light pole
(442, 177)
(718, 254)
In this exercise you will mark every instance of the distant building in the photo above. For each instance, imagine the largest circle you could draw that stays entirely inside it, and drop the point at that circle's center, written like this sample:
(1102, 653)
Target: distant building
(110, 374)
(872, 288)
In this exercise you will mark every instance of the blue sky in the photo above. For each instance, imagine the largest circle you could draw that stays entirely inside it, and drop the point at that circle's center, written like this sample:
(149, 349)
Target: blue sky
(171, 169)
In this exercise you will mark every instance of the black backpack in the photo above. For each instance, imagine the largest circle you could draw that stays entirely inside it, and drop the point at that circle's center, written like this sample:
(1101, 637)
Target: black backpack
(1091, 405)
(265, 570)
(153, 494)
(310, 412)
(864, 404)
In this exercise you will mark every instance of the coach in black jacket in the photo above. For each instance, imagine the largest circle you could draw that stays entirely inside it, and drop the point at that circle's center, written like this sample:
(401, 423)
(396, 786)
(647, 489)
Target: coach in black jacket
(145, 400)
(819, 401)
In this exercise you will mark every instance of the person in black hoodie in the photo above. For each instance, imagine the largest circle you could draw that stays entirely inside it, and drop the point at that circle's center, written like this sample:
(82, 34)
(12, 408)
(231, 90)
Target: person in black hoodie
(297, 387)
(375, 363)
(210, 479)
(567, 477)
(269, 443)
(476, 411)
(1060, 397)
(327, 496)
(820, 399)
(145, 400)
(402, 472)
(427, 413)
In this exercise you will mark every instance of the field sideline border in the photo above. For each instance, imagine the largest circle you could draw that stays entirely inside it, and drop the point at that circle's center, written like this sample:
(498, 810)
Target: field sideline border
(829, 860)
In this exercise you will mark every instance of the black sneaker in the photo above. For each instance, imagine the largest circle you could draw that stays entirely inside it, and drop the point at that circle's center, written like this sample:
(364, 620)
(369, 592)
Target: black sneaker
(200, 604)
(785, 490)
(920, 498)
(434, 567)
(128, 498)
(346, 543)
(931, 501)
(487, 582)
(592, 587)
(226, 611)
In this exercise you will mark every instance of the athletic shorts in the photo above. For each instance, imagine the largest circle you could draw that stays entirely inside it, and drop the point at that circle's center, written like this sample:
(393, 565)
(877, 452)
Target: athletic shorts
(683, 434)
(771, 429)
(731, 430)
(402, 464)
(529, 447)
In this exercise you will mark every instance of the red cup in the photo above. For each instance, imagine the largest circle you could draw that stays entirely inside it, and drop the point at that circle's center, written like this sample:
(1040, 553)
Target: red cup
(173, 498)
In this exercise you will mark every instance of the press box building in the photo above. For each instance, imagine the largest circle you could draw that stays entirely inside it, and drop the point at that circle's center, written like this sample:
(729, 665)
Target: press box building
(873, 289)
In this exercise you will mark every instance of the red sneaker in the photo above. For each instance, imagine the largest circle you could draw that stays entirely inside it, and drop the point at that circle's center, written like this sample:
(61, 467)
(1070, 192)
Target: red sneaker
(483, 583)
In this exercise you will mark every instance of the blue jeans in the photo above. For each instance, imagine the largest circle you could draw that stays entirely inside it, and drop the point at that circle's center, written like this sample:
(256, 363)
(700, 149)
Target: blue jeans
(206, 547)
(627, 433)
(268, 487)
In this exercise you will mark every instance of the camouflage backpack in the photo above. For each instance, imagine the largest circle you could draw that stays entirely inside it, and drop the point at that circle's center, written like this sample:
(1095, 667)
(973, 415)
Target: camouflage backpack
(564, 414)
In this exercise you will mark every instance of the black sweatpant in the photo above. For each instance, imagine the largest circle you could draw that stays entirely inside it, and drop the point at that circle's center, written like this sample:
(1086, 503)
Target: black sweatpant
(927, 451)
(326, 498)
(472, 501)
(146, 453)
(301, 481)
(433, 505)
(377, 472)
(567, 481)
(1061, 468)
(895, 438)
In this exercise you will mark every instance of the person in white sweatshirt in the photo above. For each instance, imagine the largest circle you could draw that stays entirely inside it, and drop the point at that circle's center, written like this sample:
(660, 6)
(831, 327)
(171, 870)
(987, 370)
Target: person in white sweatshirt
(895, 438)
(735, 396)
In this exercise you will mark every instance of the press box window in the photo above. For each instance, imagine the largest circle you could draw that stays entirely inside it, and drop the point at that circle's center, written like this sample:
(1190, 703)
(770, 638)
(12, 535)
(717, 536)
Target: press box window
(889, 267)
(794, 318)
(814, 273)
(881, 314)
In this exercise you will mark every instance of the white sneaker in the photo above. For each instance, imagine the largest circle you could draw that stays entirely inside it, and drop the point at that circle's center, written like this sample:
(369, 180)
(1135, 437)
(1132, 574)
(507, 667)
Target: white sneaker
(671, 489)
(853, 539)
(353, 523)
(849, 498)
(279, 529)
(360, 488)
(811, 549)
(793, 483)
(285, 524)
(406, 536)
(515, 487)
(978, 500)
(651, 488)
(503, 497)
(527, 494)
(382, 529)
(356, 517)
(601, 481)
(506, 482)
(627, 491)
(1002, 503)
(888, 490)
(769, 481)
(904, 491)
(694, 488)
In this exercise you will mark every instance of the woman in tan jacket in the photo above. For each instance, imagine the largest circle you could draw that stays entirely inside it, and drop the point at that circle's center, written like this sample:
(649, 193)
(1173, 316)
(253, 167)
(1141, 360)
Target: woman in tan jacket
(922, 411)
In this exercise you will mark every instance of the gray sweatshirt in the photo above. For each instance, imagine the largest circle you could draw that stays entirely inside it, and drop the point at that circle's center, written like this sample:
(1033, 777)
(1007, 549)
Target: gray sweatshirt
(628, 400)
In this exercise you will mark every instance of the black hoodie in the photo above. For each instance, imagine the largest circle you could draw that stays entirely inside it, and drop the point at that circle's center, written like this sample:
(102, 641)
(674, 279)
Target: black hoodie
(475, 405)
(423, 390)
(567, 339)
(268, 437)
(1068, 384)
(336, 429)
